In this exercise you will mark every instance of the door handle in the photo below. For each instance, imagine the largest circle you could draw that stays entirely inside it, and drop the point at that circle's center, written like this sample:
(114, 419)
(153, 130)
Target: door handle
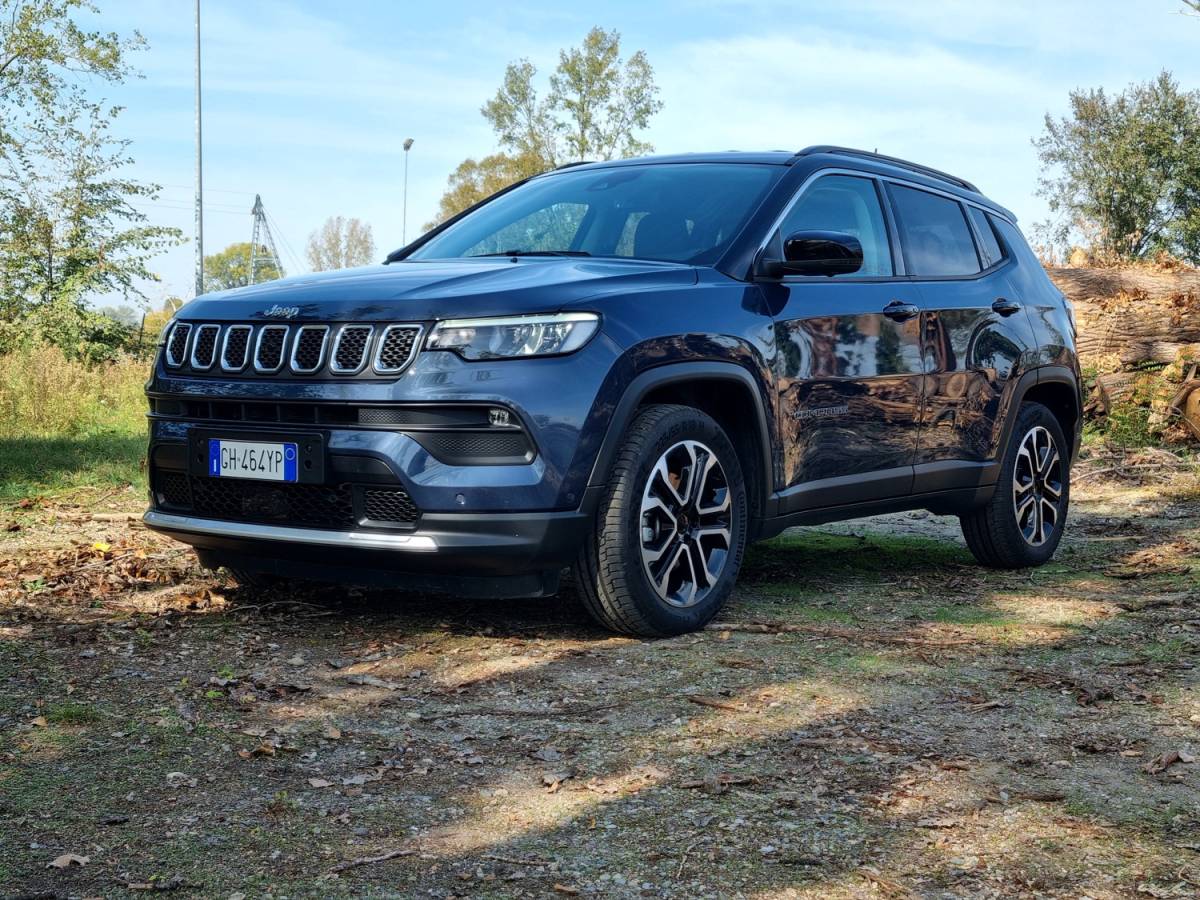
(899, 311)
(1005, 307)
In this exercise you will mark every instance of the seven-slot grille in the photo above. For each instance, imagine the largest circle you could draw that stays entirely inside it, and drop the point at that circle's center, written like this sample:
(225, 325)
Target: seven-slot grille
(276, 349)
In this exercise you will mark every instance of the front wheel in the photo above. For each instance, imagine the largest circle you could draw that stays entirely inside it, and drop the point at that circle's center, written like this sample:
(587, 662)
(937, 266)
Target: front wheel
(670, 532)
(1023, 522)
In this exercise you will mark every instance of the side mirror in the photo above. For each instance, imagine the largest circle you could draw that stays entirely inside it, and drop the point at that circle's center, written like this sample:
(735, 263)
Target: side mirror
(826, 253)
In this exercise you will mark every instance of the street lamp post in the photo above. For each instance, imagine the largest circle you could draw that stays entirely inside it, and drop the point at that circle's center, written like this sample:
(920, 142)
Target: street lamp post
(408, 142)
(199, 214)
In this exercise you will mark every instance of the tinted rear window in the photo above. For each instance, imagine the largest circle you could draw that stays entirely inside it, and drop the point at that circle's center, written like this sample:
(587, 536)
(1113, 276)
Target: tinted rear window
(933, 229)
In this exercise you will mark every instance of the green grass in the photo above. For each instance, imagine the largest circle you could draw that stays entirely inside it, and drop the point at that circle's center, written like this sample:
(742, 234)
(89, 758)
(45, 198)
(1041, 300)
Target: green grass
(40, 466)
(69, 712)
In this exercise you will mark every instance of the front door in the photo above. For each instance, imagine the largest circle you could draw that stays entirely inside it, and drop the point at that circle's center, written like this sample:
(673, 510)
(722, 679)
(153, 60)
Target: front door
(848, 361)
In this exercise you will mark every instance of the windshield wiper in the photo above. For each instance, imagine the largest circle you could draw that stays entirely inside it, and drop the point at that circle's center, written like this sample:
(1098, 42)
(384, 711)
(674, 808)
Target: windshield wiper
(535, 253)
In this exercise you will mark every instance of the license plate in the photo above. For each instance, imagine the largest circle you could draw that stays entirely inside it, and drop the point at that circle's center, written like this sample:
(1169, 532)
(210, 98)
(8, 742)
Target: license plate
(259, 460)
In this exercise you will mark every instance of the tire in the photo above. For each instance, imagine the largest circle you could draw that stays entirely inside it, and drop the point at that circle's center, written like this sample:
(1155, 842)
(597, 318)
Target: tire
(655, 519)
(995, 533)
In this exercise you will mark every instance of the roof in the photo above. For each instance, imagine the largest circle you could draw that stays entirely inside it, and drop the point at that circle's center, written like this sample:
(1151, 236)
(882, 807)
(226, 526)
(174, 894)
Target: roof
(844, 156)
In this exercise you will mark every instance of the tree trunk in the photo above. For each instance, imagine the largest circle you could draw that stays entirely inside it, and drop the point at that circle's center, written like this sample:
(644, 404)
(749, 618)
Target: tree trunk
(1132, 316)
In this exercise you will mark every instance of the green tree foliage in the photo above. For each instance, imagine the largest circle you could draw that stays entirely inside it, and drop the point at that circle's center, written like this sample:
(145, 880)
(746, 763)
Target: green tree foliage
(340, 244)
(596, 105)
(230, 268)
(1122, 173)
(69, 230)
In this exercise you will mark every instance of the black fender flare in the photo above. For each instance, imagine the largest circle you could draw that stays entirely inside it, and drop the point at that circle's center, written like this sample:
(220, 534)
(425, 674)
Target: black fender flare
(1053, 374)
(675, 373)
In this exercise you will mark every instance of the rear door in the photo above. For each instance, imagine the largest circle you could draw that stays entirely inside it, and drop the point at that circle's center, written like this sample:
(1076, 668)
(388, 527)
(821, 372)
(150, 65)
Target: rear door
(848, 363)
(973, 333)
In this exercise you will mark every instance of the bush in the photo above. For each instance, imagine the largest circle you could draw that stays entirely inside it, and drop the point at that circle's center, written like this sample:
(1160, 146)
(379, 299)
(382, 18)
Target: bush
(43, 393)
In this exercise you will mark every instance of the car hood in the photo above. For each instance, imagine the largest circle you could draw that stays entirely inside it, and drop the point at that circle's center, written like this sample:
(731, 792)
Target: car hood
(420, 290)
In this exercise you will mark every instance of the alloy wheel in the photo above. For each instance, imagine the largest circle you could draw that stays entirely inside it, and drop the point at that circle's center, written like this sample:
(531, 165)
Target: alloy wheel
(685, 523)
(1037, 486)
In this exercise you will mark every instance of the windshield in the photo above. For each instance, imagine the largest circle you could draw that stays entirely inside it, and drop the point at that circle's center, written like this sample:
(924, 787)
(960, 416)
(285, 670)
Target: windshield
(678, 212)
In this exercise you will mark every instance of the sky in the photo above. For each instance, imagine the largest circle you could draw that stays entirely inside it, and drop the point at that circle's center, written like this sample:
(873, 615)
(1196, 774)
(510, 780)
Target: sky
(308, 103)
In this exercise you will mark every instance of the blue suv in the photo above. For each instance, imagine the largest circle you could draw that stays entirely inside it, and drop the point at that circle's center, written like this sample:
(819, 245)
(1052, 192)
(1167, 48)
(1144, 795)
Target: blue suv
(631, 369)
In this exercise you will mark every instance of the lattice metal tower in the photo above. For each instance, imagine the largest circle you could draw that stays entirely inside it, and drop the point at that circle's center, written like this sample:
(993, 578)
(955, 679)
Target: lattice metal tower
(262, 242)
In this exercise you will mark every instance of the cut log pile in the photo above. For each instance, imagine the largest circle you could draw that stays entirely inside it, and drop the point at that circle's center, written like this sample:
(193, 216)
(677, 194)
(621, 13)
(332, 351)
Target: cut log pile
(1139, 337)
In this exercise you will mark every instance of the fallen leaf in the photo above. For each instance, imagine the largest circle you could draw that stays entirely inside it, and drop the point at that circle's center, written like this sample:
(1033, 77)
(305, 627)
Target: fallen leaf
(39, 722)
(372, 681)
(67, 860)
(566, 889)
(319, 783)
(102, 546)
(1164, 761)
(938, 822)
(333, 733)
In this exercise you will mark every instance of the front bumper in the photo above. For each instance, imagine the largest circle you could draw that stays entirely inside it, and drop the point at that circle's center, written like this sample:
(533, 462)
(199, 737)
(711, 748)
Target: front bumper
(463, 553)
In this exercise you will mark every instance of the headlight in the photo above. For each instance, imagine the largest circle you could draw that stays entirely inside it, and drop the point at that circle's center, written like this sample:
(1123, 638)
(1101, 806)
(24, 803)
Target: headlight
(514, 337)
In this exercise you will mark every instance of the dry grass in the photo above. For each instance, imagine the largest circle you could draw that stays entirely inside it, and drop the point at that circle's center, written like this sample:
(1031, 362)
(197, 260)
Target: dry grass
(44, 394)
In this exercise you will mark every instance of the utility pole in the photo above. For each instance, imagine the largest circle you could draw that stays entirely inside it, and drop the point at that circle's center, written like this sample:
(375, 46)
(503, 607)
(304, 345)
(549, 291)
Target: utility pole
(199, 172)
(408, 142)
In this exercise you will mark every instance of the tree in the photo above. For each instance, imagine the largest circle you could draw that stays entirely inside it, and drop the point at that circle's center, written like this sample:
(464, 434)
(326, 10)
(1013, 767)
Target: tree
(1122, 174)
(68, 229)
(340, 244)
(594, 109)
(230, 268)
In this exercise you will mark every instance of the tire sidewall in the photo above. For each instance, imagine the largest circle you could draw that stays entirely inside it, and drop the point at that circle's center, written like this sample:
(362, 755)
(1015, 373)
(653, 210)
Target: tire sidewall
(685, 424)
(1031, 416)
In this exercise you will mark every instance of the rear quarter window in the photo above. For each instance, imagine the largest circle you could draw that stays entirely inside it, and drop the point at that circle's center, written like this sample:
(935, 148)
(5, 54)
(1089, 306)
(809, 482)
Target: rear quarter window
(934, 232)
(989, 246)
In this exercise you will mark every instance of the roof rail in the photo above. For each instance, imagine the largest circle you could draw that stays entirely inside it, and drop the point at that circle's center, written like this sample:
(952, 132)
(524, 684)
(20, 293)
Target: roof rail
(891, 161)
(578, 162)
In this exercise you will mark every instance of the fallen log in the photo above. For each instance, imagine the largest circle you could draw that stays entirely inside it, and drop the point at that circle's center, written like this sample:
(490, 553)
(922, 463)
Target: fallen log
(1132, 316)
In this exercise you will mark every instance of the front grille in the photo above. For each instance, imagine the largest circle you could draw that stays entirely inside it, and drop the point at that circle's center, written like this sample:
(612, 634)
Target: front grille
(309, 351)
(396, 348)
(204, 347)
(236, 350)
(268, 353)
(177, 344)
(280, 351)
(286, 504)
(350, 354)
(389, 505)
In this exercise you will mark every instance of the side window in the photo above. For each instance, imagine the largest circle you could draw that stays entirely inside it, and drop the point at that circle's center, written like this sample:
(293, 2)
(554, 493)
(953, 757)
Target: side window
(934, 232)
(988, 244)
(847, 204)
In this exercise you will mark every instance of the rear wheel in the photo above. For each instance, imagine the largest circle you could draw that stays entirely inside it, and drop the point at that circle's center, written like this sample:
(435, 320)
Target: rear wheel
(670, 532)
(1023, 522)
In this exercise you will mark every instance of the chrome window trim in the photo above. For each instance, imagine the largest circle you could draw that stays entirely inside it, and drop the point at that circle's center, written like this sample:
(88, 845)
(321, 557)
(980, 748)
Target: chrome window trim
(170, 360)
(324, 329)
(245, 353)
(195, 338)
(337, 343)
(412, 353)
(888, 212)
(286, 329)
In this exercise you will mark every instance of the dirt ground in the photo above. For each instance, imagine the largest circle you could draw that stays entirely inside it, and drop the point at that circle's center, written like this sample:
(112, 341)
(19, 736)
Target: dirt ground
(874, 717)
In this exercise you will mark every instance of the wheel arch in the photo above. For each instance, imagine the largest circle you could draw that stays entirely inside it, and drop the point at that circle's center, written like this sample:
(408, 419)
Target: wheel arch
(1056, 388)
(725, 391)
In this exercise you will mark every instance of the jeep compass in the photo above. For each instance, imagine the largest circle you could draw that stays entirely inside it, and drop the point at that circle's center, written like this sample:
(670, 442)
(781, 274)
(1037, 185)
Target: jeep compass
(630, 369)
